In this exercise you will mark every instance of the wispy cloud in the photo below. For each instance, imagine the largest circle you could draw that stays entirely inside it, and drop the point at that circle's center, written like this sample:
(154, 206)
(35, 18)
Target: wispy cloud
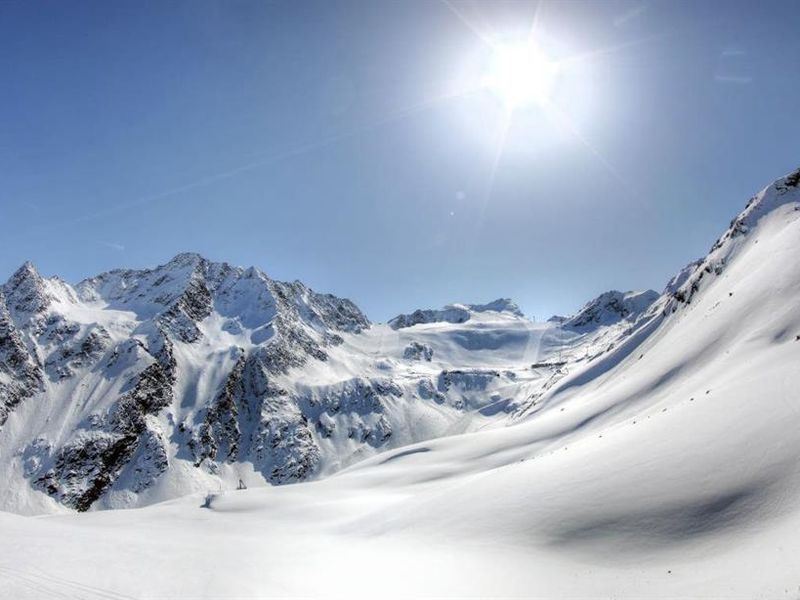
(629, 15)
(113, 246)
(734, 79)
(732, 52)
(255, 164)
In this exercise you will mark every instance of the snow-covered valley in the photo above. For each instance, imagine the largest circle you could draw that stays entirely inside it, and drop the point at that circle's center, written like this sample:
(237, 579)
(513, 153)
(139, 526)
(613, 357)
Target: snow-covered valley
(647, 446)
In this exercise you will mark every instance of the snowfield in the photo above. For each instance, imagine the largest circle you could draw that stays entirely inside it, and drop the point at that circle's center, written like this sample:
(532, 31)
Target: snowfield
(647, 447)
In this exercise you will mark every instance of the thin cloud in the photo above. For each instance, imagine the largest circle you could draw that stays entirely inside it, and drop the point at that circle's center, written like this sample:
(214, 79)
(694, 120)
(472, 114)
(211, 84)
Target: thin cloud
(733, 79)
(732, 52)
(256, 164)
(113, 246)
(629, 15)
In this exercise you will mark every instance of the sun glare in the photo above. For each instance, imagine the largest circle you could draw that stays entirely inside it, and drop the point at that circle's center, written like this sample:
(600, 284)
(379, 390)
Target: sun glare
(521, 75)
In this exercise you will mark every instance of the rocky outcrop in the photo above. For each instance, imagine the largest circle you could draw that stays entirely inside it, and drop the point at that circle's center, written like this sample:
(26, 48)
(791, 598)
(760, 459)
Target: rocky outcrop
(417, 351)
(191, 307)
(74, 351)
(610, 308)
(780, 194)
(26, 293)
(87, 466)
(20, 375)
(218, 438)
(454, 313)
(450, 314)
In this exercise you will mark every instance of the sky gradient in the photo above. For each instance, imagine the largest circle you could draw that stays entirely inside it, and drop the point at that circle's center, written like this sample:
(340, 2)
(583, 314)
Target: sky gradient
(333, 142)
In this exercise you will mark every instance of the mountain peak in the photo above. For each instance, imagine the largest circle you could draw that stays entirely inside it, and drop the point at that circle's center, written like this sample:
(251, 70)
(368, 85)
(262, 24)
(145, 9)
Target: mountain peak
(187, 259)
(781, 195)
(611, 307)
(506, 305)
(782, 191)
(25, 290)
(25, 271)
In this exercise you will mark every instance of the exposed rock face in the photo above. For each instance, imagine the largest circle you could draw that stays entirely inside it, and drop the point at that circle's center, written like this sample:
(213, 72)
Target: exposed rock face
(218, 437)
(449, 314)
(612, 307)
(506, 305)
(284, 448)
(26, 292)
(417, 351)
(74, 351)
(191, 307)
(454, 313)
(88, 465)
(20, 375)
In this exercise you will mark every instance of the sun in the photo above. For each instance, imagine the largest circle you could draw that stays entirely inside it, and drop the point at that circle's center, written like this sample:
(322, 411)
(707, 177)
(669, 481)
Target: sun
(521, 74)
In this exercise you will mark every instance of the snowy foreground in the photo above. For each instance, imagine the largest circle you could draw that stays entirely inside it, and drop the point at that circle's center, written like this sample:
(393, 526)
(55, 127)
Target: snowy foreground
(666, 465)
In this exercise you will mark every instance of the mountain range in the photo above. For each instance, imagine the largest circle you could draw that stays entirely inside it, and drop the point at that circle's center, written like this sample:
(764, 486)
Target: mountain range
(139, 385)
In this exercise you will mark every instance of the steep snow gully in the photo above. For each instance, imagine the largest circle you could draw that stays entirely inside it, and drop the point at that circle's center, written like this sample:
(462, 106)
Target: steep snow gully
(647, 446)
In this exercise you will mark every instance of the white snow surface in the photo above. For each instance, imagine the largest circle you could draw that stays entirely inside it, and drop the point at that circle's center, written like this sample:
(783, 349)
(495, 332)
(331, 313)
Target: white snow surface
(661, 461)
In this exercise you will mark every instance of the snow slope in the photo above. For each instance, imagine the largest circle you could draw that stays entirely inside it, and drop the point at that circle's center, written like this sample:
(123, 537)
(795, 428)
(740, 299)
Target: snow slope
(663, 463)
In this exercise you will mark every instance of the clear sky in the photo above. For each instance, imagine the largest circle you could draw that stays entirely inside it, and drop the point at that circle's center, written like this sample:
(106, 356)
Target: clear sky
(346, 144)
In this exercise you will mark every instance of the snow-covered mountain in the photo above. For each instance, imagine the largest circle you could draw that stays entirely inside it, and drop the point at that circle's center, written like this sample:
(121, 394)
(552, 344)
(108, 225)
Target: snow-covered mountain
(454, 313)
(139, 385)
(136, 386)
(107, 383)
(645, 447)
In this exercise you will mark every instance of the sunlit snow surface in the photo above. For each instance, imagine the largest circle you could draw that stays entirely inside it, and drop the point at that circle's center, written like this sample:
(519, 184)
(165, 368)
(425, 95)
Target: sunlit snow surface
(667, 467)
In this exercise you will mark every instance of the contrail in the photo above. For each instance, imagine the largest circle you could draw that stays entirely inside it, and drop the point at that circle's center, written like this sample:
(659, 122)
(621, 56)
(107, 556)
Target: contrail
(250, 166)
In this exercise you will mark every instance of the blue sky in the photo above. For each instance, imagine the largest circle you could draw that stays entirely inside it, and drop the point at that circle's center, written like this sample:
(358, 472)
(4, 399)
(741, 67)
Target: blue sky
(333, 142)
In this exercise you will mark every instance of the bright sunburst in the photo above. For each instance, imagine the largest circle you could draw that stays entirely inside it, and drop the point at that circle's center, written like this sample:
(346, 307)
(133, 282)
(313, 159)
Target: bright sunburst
(521, 74)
